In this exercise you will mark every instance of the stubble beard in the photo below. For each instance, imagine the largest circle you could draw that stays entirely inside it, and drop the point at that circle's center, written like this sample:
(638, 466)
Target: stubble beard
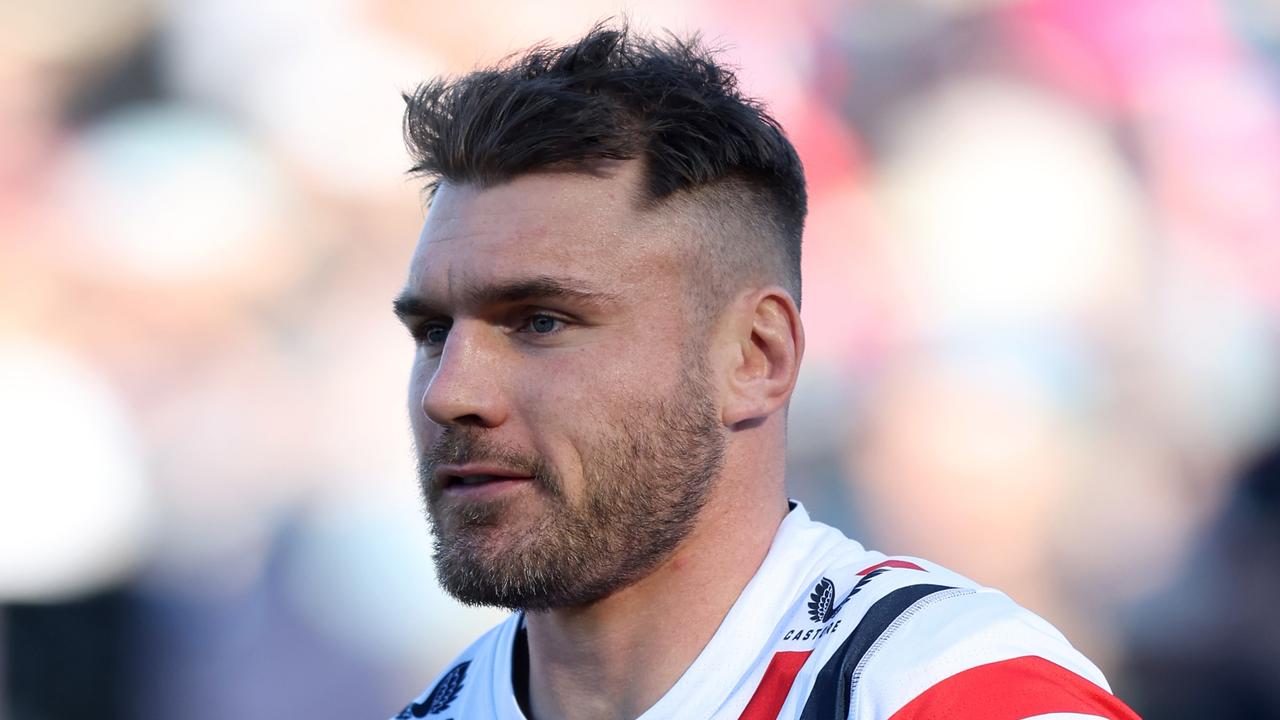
(644, 484)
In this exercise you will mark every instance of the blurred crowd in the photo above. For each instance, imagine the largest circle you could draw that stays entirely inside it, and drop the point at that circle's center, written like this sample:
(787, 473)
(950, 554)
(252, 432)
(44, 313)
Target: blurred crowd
(1042, 297)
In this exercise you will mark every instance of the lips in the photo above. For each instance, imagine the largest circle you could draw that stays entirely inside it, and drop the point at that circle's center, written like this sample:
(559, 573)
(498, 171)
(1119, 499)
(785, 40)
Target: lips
(473, 480)
(462, 477)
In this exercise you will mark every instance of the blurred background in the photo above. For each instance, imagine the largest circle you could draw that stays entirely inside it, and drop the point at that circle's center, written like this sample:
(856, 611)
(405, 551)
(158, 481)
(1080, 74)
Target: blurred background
(1042, 299)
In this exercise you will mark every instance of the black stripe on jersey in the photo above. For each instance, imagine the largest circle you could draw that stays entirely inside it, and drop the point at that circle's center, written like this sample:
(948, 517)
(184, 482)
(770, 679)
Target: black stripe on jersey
(829, 699)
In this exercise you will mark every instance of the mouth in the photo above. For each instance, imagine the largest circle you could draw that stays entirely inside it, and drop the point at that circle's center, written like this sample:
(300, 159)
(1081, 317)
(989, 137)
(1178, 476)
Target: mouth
(475, 480)
(453, 481)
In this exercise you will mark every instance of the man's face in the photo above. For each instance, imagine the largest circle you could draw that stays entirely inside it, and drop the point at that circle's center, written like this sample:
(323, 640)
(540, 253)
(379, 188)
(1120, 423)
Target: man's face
(566, 426)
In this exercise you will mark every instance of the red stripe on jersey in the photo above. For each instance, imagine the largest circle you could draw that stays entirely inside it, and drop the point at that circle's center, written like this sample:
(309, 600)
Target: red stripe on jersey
(774, 686)
(893, 564)
(1017, 688)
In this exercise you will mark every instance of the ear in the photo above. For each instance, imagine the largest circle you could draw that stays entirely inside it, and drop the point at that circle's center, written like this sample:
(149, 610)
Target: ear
(768, 342)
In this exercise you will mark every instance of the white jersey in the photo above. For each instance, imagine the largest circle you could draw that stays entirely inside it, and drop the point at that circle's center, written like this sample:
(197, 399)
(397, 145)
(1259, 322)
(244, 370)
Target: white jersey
(828, 630)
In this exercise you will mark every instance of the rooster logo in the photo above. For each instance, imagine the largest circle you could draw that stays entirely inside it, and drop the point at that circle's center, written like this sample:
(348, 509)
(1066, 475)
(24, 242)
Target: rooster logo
(442, 695)
(821, 601)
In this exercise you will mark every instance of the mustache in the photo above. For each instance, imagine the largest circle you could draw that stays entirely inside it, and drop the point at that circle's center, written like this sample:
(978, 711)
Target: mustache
(456, 446)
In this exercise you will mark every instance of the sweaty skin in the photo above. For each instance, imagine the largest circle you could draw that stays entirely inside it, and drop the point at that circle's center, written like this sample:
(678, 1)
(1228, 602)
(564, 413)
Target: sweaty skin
(556, 389)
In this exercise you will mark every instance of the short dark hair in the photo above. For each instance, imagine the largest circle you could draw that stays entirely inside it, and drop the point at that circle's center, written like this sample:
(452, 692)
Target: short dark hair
(616, 96)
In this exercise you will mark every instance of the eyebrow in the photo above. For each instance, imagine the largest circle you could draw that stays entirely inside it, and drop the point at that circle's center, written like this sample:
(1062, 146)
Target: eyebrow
(542, 287)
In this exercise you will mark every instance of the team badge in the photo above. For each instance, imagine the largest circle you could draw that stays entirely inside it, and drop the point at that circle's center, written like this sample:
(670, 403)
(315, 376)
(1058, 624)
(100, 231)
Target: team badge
(821, 601)
(441, 696)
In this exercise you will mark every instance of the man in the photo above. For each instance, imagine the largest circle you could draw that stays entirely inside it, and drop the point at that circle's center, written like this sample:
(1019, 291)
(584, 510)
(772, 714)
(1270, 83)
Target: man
(605, 304)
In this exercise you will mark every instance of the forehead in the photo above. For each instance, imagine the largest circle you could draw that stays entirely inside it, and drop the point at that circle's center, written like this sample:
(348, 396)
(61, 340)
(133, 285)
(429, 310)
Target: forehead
(587, 227)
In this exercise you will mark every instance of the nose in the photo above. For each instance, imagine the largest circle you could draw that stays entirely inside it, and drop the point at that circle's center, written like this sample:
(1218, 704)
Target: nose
(464, 389)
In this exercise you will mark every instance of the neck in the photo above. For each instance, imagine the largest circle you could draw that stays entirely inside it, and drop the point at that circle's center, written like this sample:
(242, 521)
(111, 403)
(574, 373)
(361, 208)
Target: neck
(615, 658)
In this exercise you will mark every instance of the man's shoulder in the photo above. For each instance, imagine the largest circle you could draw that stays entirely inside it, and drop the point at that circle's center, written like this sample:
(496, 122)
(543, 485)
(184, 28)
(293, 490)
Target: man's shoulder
(468, 676)
(904, 637)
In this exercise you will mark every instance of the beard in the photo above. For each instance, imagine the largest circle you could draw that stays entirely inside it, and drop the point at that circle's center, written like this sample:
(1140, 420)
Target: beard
(645, 481)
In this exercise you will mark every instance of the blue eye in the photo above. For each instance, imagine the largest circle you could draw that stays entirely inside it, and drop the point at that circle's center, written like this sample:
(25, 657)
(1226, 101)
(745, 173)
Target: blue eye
(543, 324)
(434, 334)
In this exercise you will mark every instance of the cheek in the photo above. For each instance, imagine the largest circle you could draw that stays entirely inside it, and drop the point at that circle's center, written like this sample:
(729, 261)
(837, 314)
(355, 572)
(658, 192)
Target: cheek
(581, 380)
(603, 384)
(565, 406)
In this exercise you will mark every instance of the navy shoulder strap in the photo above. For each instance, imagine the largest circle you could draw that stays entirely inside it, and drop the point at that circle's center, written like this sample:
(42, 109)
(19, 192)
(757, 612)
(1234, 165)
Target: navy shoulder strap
(829, 699)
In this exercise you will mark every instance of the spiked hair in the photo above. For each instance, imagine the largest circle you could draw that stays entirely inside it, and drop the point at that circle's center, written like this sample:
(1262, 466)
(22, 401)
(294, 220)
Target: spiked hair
(615, 96)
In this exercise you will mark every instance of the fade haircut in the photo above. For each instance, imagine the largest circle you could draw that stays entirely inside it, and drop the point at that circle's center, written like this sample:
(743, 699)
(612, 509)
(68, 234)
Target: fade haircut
(705, 148)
